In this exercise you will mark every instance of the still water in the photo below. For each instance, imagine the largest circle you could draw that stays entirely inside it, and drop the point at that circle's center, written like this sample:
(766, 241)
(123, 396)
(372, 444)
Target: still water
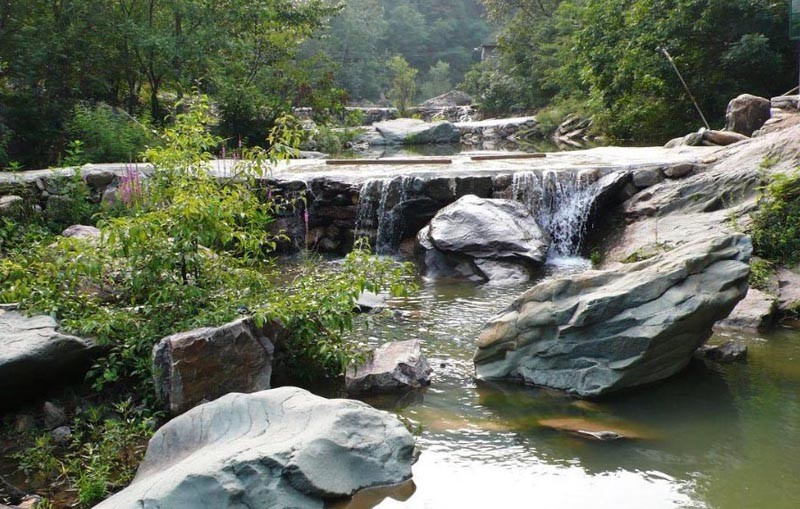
(724, 437)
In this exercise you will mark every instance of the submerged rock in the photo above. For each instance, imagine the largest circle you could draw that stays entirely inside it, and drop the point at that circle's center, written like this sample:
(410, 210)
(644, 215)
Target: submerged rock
(486, 238)
(594, 430)
(279, 448)
(34, 356)
(600, 332)
(394, 367)
(204, 364)
(730, 351)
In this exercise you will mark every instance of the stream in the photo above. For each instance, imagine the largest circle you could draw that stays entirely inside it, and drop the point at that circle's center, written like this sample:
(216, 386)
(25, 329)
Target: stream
(715, 436)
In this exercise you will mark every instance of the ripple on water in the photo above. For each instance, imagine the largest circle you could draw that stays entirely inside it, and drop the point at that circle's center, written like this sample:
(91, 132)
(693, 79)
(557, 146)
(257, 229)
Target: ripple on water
(726, 437)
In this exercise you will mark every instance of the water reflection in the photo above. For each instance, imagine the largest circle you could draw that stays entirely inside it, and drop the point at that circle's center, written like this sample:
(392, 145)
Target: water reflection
(714, 436)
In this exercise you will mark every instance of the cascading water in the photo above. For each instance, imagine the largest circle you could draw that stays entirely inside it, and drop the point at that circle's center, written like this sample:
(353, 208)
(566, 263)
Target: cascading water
(378, 211)
(562, 202)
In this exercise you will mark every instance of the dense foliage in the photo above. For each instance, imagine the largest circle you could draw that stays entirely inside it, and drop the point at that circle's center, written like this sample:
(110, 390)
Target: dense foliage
(605, 54)
(776, 225)
(438, 39)
(181, 249)
(140, 56)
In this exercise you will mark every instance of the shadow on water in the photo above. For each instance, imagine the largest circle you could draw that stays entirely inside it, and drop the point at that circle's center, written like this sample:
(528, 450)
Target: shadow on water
(714, 436)
(667, 426)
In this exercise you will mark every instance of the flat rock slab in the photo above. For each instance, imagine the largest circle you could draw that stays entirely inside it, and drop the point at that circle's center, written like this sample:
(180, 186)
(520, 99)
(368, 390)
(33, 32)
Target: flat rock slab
(756, 311)
(34, 356)
(282, 448)
(603, 331)
(203, 364)
(394, 367)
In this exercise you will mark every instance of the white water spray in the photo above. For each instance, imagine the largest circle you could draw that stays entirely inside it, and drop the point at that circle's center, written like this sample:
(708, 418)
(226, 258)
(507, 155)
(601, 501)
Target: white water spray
(561, 201)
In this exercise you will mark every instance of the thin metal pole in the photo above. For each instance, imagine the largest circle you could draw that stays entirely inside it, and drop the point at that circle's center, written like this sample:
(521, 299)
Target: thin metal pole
(685, 86)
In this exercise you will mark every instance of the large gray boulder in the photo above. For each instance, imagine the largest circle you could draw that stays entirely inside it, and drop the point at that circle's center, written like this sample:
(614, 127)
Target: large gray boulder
(282, 448)
(747, 114)
(409, 131)
(203, 364)
(34, 356)
(448, 99)
(393, 367)
(483, 237)
(603, 331)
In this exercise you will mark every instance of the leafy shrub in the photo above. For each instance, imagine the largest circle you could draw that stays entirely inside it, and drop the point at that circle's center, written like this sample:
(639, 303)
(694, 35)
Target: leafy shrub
(192, 252)
(760, 273)
(107, 134)
(73, 204)
(776, 224)
(101, 456)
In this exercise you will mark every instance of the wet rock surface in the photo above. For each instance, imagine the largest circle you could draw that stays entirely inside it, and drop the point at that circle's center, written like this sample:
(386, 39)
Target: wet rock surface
(481, 230)
(600, 332)
(731, 351)
(203, 364)
(279, 448)
(393, 367)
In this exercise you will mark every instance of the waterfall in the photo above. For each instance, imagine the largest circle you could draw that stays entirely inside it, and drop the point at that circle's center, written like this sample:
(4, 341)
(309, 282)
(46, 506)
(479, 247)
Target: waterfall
(561, 201)
(378, 211)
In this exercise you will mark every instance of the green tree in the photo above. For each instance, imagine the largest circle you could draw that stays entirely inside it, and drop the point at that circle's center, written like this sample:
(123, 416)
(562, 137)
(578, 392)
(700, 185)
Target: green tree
(437, 80)
(404, 86)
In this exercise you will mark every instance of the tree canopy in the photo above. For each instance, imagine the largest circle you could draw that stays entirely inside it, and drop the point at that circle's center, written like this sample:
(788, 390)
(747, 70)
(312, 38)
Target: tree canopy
(605, 54)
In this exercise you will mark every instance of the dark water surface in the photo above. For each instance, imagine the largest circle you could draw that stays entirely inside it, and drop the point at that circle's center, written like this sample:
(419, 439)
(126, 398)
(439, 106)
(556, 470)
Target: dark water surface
(714, 437)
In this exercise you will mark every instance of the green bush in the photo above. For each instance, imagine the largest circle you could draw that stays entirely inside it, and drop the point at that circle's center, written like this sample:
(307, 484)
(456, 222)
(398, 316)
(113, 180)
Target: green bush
(760, 273)
(100, 458)
(107, 134)
(193, 251)
(776, 224)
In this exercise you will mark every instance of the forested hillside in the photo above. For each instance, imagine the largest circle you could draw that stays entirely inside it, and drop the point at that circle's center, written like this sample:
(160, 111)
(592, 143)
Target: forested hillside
(438, 39)
(603, 57)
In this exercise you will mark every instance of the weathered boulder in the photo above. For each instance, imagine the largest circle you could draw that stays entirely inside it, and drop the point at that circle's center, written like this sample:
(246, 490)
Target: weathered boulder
(474, 230)
(755, 311)
(679, 170)
(204, 364)
(408, 131)
(788, 291)
(393, 367)
(369, 301)
(746, 114)
(80, 231)
(30, 347)
(11, 205)
(448, 99)
(786, 102)
(279, 448)
(646, 177)
(600, 332)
